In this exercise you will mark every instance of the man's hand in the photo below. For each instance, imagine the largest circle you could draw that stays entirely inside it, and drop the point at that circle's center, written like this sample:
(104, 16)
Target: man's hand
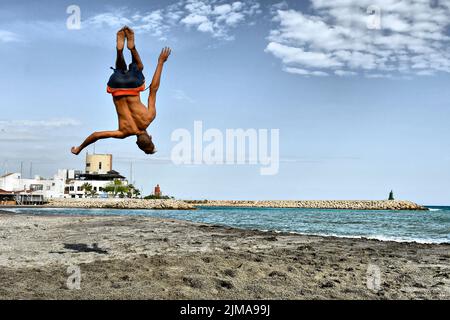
(165, 53)
(76, 151)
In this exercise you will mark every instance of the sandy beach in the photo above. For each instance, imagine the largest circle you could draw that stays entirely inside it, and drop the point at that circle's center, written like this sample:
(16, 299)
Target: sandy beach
(150, 258)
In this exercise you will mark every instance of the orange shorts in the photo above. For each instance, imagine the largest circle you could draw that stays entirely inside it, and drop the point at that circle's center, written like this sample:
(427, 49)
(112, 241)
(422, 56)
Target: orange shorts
(125, 92)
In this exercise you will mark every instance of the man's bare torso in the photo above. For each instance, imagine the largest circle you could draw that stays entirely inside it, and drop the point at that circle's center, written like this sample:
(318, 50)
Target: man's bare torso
(134, 117)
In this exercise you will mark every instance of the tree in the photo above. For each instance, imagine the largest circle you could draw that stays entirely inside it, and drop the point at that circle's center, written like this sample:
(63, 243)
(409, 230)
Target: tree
(87, 188)
(117, 188)
(93, 193)
(155, 197)
(133, 192)
(391, 196)
(114, 187)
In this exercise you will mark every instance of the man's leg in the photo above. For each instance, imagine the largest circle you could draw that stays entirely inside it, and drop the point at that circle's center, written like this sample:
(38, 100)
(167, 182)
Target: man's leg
(156, 81)
(132, 47)
(120, 61)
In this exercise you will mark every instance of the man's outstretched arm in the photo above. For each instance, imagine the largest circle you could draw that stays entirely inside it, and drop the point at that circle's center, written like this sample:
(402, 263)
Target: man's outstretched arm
(98, 136)
(156, 81)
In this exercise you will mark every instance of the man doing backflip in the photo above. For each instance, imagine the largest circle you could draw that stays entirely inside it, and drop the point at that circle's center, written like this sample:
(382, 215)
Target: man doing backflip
(125, 86)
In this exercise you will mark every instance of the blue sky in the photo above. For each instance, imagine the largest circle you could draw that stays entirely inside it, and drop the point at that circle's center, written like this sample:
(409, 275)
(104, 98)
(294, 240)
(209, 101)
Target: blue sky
(360, 110)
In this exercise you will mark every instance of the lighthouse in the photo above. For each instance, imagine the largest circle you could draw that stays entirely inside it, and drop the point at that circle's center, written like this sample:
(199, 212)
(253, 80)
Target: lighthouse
(157, 191)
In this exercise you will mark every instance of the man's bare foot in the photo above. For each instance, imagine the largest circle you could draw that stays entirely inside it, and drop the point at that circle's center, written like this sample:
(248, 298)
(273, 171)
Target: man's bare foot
(165, 53)
(76, 151)
(130, 38)
(121, 39)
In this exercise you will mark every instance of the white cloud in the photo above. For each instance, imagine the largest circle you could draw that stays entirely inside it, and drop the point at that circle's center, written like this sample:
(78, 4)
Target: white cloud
(304, 72)
(156, 23)
(181, 95)
(343, 73)
(8, 36)
(218, 17)
(48, 124)
(222, 9)
(334, 38)
(426, 73)
(283, 5)
(378, 76)
(297, 56)
(22, 137)
(109, 19)
(214, 17)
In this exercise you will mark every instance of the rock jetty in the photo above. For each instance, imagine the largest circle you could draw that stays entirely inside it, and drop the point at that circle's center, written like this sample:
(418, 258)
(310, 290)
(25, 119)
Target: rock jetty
(315, 204)
(120, 204)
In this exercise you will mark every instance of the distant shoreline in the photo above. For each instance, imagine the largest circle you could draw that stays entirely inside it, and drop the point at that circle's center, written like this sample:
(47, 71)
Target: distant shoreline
(315, 204)
(140, 204)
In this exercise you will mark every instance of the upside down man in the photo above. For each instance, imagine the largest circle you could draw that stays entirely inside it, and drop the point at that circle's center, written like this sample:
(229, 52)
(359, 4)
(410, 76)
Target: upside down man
(125, 86)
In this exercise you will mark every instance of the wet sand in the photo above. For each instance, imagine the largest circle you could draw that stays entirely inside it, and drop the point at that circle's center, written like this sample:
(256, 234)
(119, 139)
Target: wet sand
(151, 258)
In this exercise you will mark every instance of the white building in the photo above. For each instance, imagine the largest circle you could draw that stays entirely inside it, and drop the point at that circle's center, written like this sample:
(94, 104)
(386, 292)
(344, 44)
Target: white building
(74, 187)
(51, 188)
(66, 183)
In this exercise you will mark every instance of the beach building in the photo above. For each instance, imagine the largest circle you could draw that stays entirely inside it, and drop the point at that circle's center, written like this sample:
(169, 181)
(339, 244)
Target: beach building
(7, 198)
(66, 183)
(32, 188)
(98, 174)
(8, 180)
(98, 182)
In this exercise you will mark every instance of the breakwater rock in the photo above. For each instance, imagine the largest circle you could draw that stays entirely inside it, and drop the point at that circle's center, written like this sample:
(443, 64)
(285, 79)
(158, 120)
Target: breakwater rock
(315, 204)
(120, 204)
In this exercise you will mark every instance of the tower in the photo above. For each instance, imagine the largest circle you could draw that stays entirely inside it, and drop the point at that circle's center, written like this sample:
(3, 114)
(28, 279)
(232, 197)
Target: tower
(157, 191)
(98, 163)
(391, 196)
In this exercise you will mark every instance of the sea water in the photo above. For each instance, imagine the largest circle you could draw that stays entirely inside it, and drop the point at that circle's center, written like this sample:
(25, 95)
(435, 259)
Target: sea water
(404, 226)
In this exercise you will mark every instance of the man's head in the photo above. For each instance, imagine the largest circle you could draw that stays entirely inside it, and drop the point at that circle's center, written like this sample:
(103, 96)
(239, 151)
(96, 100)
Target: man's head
(145, 143)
